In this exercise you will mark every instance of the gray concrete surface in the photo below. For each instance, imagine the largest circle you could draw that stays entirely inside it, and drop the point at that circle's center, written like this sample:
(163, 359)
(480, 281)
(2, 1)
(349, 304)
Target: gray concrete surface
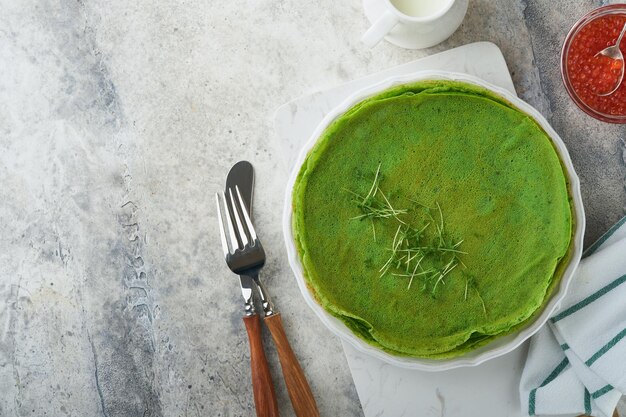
(118, 122)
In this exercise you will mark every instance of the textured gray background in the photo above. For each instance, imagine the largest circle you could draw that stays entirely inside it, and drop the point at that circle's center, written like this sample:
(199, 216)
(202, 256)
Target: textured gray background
(118, 122)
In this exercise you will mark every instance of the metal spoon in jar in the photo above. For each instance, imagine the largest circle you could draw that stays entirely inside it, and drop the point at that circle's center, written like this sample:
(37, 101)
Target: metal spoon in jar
(615, 53)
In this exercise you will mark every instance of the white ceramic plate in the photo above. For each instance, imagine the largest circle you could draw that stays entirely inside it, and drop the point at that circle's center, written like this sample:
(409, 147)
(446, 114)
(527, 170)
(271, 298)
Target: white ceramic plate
(499, 346)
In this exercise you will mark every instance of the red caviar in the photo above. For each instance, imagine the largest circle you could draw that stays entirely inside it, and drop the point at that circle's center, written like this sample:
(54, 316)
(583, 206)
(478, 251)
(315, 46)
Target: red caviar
(587, 74)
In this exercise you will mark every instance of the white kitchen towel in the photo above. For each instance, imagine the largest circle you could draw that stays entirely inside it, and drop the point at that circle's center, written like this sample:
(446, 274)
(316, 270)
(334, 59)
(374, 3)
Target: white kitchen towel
(577, 362)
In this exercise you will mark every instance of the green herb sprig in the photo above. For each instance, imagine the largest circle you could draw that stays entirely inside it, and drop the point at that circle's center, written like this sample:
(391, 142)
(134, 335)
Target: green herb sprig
(412, 249)
(375, 204)
(426, 252)
(470, 283)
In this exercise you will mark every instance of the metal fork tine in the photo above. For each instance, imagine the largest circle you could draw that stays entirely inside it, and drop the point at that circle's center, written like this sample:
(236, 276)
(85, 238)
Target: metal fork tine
(225, 246)
(242, 231)
(229, 221)
(245, 215)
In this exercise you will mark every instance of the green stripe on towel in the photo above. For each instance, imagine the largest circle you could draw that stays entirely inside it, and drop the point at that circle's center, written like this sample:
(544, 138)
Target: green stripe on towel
(533, 393)
(594, 247)
(606, 348)
(589, 299)
(599, 393)
(587, 402)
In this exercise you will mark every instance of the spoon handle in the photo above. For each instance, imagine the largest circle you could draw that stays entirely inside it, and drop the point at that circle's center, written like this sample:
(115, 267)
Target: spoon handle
(621, 35)
(298, 387)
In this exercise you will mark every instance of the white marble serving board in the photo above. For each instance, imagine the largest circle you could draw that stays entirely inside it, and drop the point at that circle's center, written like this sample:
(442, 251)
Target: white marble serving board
(488, 390)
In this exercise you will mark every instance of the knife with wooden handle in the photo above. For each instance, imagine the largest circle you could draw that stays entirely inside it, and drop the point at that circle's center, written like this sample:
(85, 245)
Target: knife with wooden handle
(241, 175)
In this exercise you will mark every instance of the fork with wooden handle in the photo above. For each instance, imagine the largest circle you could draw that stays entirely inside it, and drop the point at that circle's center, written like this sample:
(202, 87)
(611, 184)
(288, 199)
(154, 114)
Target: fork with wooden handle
(245, 257)
(262, 386)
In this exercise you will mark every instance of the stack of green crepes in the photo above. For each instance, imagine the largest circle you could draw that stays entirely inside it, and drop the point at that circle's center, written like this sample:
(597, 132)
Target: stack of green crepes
(423, 177)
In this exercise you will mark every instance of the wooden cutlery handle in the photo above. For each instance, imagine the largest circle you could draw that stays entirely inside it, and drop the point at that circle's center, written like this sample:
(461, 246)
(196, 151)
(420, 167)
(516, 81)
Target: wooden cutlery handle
(300, 393)
(264, 396)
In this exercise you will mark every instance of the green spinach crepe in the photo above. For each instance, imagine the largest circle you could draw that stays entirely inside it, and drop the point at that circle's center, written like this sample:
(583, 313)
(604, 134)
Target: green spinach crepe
(457, 164)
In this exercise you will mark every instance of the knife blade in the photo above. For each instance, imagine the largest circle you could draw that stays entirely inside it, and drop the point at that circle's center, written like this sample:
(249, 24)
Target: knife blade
(242, 176)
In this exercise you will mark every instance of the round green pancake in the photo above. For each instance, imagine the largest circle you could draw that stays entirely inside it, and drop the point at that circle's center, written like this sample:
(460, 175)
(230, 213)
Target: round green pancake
(491, 179)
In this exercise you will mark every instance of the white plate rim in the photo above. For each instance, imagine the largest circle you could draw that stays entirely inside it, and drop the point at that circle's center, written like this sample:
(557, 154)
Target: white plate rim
(498, 347)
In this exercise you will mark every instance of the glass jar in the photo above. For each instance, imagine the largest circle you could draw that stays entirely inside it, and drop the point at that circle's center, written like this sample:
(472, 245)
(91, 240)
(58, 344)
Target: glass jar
(582, 70)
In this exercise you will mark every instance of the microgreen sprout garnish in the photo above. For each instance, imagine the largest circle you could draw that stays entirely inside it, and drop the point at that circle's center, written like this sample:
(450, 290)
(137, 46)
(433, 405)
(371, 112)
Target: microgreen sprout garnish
(415, 254)
(470, 283)
(426, 252)
(397, 241)
(445, 271)
(375, 204)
